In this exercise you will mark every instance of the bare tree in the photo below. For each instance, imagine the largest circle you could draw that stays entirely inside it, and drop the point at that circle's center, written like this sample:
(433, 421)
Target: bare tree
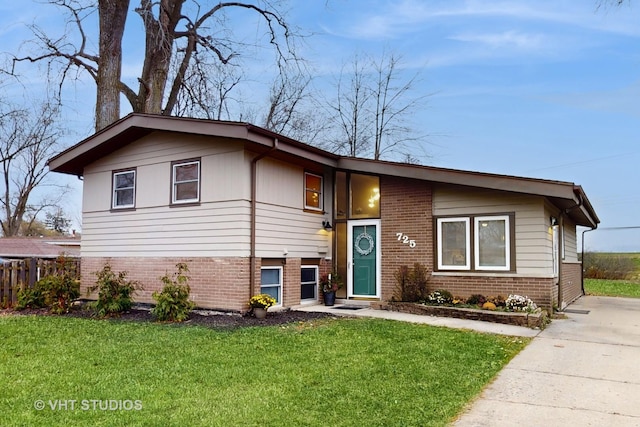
(349, 107)
(175, 30)
(23, 170)
(394, 104)
(293, 109)
(373, 107)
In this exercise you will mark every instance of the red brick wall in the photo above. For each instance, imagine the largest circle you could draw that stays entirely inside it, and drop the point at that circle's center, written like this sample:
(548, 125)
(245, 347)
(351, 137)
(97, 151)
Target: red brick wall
(571, 281)
(540, 290)
(405, 207)
(216, 283)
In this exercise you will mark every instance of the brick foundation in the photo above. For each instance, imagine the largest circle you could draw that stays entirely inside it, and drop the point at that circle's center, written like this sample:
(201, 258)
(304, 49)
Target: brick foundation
(216, 283)
(540, 290)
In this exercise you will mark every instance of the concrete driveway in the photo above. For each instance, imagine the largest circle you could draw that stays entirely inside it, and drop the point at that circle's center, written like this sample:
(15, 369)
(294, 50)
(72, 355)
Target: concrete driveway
(580, 371)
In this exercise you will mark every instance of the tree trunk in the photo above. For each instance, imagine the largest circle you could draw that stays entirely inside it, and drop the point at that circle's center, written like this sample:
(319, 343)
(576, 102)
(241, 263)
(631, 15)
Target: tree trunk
(112, 15)
(160, 36)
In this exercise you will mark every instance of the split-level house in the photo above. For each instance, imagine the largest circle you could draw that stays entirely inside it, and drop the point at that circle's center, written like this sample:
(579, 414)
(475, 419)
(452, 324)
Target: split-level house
(251, 211)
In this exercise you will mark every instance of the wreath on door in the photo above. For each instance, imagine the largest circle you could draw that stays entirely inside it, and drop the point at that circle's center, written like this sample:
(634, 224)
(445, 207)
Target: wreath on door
(364, 236)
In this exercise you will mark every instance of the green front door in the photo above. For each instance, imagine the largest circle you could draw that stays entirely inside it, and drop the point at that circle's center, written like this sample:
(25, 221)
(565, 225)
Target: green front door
(364, 251)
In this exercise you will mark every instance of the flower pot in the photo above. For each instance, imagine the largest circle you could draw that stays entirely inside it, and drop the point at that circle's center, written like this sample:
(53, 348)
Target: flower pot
(329, 298)
(260, 313)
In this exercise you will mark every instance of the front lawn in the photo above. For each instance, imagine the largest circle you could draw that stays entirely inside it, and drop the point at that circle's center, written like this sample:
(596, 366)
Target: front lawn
(612, 288)
(349, 372)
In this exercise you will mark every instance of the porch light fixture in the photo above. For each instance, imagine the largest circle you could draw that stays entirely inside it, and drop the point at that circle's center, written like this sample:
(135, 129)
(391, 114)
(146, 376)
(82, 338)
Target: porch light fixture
(553, 220)
(327, 225)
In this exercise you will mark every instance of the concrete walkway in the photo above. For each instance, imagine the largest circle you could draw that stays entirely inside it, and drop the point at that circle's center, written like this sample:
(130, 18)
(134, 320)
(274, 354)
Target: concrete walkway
(580, 371)
(487, 327)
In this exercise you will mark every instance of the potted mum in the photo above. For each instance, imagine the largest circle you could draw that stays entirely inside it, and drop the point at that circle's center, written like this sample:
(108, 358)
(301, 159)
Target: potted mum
(330, 283)
(260, 303)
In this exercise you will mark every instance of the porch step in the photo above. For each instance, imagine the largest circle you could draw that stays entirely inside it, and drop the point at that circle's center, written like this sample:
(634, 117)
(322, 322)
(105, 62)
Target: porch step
(353, 302)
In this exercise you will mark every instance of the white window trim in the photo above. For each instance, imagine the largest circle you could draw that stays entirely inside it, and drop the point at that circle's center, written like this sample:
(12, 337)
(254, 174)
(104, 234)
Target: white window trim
(315, 267)
(115, 189)
(467, 265)
(174, 166)
(507, 242)
(320, 193)
(279, 286)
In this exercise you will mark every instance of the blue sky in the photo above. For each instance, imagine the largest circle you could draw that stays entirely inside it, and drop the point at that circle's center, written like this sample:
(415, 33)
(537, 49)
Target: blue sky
(545, 89)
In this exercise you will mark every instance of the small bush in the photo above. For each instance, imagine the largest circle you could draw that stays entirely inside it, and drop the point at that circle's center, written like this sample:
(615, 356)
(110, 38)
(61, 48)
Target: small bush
(115, 292)
(411, 283)
(173, 304)
(488, 306)
(476, 299)
(498, 300)
(440, 297)
(60, 290)
(29, 298)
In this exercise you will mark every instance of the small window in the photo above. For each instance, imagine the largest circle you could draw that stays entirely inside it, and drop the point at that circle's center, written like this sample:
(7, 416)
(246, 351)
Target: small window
(186, 182)
(312, 191)
(454, 244)
(271, 282)
(124, 189)
(492, 243)
(309, 283)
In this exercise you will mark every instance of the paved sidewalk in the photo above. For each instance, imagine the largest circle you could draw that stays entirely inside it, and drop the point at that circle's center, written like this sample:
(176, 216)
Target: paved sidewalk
(487, 327)
(580, 371)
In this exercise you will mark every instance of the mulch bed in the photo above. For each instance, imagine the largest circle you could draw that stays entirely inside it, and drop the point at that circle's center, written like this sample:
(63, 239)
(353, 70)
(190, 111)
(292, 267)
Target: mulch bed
(205, 318)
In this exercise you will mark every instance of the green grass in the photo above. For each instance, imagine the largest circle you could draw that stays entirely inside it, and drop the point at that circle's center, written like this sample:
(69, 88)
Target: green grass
(339, 372)
(612, 288)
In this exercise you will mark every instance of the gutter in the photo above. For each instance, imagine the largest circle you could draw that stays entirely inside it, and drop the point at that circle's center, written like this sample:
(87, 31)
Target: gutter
(254, 191)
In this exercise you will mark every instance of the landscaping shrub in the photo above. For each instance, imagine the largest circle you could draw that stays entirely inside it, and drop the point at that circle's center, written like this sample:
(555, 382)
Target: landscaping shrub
(115, 292)
(440, 297)
(29, 297)
(476, 299)
(607, 266)
(498, 300)
(411, 283)
(59, 290)
(173, 304)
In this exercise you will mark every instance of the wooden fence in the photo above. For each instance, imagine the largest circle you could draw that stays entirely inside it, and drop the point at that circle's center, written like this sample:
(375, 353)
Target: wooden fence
(26, 272)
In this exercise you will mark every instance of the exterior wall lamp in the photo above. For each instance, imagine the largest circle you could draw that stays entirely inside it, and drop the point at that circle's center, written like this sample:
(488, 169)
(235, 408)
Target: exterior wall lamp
(327, 225)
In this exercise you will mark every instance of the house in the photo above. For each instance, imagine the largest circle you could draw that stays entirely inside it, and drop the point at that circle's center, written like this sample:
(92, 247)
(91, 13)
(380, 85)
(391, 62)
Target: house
(252, 211)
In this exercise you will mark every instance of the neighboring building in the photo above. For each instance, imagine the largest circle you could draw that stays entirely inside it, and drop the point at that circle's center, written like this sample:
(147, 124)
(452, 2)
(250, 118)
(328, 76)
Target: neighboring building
(249, 211)
(13, 248)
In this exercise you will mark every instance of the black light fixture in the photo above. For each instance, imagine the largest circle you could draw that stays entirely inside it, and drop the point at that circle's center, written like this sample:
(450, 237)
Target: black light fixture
(327, 225)
(553, 220)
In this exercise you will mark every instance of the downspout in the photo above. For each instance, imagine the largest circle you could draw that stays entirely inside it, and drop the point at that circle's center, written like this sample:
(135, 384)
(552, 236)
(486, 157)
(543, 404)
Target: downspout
(254, 191)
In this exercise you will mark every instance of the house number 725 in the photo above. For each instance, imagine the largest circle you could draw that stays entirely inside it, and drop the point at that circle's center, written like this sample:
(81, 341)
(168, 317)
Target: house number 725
(405, 239)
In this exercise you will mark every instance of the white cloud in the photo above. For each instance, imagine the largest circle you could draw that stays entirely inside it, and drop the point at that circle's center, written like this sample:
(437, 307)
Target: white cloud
(512, 38)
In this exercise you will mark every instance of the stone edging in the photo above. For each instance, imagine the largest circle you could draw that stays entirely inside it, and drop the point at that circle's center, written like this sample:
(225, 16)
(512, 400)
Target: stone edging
(530, 320)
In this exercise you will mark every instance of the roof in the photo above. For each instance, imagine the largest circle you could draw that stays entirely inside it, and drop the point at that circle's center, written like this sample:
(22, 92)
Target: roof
(567, 196)
(38, 247)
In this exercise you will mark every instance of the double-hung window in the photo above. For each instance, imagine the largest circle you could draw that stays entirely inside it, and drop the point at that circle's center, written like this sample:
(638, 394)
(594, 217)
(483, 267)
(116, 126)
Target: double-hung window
(185, 182)
(477, 243)
(124, 189)
(312, 191)
(271, 282)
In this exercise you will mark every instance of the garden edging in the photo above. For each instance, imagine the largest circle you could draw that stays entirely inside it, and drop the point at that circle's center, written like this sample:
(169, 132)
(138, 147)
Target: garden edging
(530, 320)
